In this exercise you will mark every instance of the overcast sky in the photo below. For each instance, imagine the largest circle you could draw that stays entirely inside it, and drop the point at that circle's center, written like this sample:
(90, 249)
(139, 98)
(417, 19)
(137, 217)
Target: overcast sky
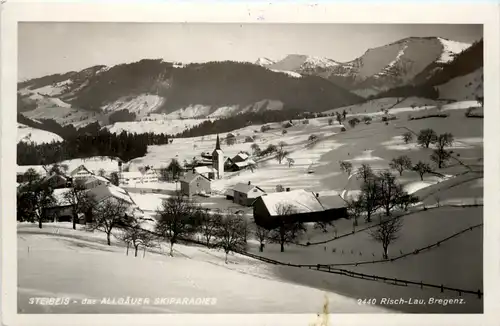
(49, 48)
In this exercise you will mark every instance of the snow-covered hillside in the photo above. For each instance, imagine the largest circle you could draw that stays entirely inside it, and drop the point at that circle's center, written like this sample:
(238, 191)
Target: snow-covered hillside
(463, 88)
(166, 126)
(302, 63)
(264, 61)
(35, 136)
(141, 105)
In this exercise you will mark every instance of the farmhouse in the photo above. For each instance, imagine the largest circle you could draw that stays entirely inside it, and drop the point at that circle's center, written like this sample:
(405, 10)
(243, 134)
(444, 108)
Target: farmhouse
(80, 172)
(193, 183)
(294, 206)
(104, 193)
(62, 209)
(246, 193)
(150, 176)
(239, 162)
(206, 171)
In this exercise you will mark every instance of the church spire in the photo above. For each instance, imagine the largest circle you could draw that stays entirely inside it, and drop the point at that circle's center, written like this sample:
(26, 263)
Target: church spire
(217, 144)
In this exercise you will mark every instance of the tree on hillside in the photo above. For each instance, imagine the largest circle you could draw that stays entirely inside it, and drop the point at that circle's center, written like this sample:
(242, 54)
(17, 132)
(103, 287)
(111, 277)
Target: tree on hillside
(369, 197)
(248, 139)
(426, 137)
(401, 163)
(280, 188)
(440, 157)
(210, 224)
(353, 122)
(177, 219)
(344, 114)
(330, 121)
(136, 237)
(480, 100)
(354, 210)
(386, 233)
(444, 140)
(281, 154)
(346, 167)
(255, 149)
(422, 168)
(33, 197)
(265, 128)
(101, 172)
(230, 139)
(58, 169)
(290, 161)
(231, 234)
(282, 144)
(79, 197)
(114, 178)
(262, 235)
(364, 172)
(174, 168)
(287, 231)
(108, 215)
(338, 117)
(407, 137)
(390, 191)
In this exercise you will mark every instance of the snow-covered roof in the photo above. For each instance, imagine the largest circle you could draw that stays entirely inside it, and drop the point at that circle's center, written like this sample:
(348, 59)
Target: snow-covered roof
(190, 176)
(80, 168)
(243, 156)
(244, 163)
(302, 201)
(104, 192)
(97, 177)
(204, 169)
(245, 188)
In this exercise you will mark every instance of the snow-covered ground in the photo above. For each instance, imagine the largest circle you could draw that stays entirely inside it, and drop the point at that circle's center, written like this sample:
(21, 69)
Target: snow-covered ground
(164, 126)
(36, 136)
(141, 105)
(463, 88)
(68, 263)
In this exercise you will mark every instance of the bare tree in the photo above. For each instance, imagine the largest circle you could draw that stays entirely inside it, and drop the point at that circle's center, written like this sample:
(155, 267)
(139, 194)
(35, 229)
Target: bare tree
(255, 149)
(422, 168)
(390, 191)
(346, 167)
(231, 234)
(80, 200)
(354, 210)
(444, 140)
(364, 172)
(101, 172)
(34, 197)
(440, 157)
(281, 154)
(108, 215)
(280, 188)
(290, 161)
(287, 229)
(210, 224)
(177, 218)
(282, 144)
(407, 137)
(330, 121)
(386, 233)
(369, 198)
(312, 138)
(262, 235)
(401, 163)
(136, 236)
(426, 137)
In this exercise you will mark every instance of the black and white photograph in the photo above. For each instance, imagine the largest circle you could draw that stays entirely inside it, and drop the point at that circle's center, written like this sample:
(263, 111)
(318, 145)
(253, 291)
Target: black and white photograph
(250, 168)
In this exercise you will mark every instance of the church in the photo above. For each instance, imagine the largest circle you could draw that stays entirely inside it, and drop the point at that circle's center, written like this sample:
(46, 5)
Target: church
(218, 160)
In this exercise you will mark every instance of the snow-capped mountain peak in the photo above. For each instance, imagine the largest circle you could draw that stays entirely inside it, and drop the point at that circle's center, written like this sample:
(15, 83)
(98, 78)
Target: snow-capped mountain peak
(451, 49)
(264, 61)
(303, 63)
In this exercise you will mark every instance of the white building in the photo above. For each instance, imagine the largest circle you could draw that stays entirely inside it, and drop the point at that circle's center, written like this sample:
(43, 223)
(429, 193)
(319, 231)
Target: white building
(150, 176)
(130, 177)
(80, 173)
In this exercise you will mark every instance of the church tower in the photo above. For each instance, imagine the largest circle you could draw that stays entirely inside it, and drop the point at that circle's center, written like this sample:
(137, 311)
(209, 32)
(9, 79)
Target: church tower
(218, 159)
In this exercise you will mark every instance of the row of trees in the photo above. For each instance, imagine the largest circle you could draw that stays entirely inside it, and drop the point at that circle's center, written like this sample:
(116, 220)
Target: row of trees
(125, 146)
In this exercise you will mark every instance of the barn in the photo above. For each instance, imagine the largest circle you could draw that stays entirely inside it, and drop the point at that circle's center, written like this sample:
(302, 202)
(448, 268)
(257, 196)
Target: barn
(296, 205)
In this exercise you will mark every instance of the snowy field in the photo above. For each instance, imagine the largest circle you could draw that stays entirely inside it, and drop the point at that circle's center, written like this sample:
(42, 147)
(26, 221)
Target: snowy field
(64, 265)
(36, 136)
(162, 126)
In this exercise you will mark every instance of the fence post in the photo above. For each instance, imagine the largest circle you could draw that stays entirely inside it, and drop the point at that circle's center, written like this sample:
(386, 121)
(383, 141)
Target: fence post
(442, 288)
(395, 281)
(459, 293)
(317, 266)
(328, 267)
(421, 285)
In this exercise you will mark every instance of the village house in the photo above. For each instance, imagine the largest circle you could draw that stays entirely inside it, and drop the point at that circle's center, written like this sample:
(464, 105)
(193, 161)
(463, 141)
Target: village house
(206, 171)
(130, 177)
(104, 193)
(295, 206)
(245, 193)
(56, 181)
(62, 209)
(150, 176)
(239, 162)
(193, 183)
(80, 173)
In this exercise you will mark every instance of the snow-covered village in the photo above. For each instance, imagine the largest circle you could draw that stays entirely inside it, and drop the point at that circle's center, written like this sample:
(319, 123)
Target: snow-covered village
(267, 185)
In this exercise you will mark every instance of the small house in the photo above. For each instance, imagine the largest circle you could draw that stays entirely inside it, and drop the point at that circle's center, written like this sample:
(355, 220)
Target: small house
(150, 176)
(193, 183)
(240, 157)
(246, 193)
(269, 210)
(130, 177)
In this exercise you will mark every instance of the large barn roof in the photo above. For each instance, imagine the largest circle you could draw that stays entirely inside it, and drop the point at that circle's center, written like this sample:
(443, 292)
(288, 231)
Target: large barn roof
(245, 187)
(300, 200)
